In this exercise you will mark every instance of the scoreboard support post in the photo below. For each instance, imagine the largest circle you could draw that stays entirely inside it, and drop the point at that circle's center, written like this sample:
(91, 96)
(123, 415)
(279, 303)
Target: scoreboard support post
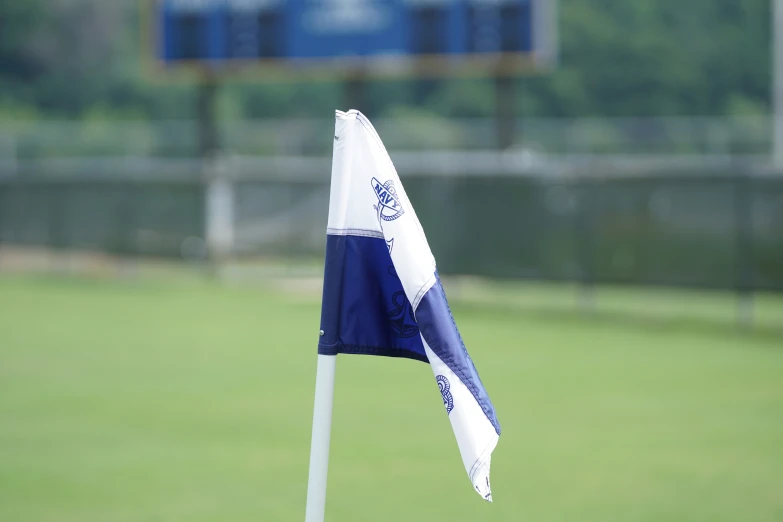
(505, 110)
(219, 188)
(354, 93)
(206, 115)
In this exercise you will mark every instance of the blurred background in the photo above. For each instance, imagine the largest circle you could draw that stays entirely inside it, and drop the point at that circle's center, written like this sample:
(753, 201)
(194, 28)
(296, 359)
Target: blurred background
(601, 182)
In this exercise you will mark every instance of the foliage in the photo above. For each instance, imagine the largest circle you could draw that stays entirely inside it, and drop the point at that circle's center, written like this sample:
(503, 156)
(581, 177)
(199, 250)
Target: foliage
(60, 58)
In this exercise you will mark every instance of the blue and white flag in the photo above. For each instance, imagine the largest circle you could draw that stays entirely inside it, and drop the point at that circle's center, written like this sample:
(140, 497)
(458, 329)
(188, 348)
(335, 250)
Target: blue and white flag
(382, 294)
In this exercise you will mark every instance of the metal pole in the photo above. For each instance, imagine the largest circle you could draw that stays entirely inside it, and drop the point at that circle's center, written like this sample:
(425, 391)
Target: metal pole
(319, 447)
(583, 235)
(777, 82)
(218, 188)
(743, 244)
(546, 39)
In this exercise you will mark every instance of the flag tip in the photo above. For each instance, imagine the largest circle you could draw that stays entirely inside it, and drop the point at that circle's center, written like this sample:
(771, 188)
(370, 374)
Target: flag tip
(480, 480)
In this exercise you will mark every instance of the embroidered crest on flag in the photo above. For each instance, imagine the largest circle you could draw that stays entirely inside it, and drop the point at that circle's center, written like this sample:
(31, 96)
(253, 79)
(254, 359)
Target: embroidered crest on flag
(448, 400)
(389, 207)
(403, 323)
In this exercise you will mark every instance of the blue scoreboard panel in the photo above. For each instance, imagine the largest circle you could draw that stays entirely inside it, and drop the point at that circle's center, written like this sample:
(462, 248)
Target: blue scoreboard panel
(216, 33)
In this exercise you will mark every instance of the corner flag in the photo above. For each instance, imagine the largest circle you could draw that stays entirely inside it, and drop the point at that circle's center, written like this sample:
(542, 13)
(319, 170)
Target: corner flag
(382, 296)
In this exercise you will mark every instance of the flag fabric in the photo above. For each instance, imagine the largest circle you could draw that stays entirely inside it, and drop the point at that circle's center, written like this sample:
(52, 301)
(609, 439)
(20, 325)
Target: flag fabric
(382, 294)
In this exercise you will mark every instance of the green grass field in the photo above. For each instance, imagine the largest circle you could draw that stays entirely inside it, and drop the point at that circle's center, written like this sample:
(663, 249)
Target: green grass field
(188, 401)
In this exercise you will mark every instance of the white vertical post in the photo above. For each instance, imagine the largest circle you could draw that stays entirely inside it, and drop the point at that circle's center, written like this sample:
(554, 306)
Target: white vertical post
(219, 211)
(777, 83)
(319, 447)
(745, 308)
(546, 38)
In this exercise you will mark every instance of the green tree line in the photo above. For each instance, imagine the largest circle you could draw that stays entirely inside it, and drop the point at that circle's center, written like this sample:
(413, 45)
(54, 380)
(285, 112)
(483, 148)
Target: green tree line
(83, 58)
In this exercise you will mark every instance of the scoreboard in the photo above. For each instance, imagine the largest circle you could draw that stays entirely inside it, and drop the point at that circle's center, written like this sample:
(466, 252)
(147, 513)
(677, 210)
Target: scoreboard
(218, 33)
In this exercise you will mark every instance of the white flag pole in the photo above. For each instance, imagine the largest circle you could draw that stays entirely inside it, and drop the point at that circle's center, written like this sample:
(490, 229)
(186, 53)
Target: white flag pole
(319, 447)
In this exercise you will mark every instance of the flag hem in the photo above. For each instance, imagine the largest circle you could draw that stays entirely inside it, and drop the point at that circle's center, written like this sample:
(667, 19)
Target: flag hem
(357, 349)
(354, 232)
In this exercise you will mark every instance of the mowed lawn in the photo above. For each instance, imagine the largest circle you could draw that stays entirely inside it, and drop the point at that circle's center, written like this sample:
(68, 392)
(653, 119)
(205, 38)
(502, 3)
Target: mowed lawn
(163, 401)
